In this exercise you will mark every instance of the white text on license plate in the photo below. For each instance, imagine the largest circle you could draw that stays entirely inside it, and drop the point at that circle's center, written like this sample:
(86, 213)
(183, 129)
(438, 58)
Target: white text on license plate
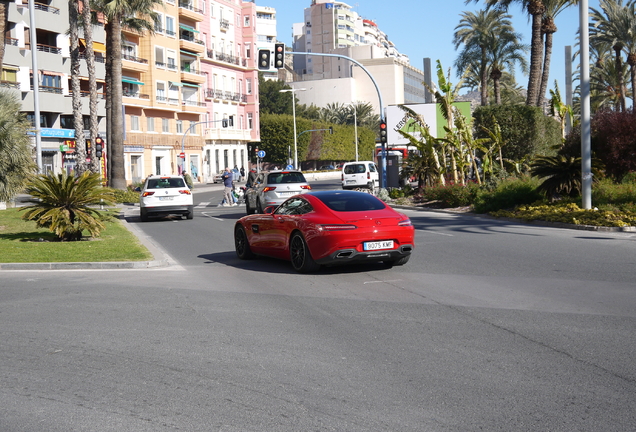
(376, 245)
(168, 198)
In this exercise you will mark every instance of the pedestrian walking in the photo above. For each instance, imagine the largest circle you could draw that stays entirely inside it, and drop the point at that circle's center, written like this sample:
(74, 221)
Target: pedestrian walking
(228, 182)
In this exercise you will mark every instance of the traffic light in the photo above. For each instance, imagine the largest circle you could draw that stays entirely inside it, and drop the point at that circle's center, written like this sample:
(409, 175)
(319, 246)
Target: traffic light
(383, 132)
(99, 146)
(264, 59)
(279, 56)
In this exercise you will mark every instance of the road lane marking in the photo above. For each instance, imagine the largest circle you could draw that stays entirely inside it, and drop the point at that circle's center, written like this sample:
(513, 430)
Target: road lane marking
(202, 205)
(383, 281)
(212, 217)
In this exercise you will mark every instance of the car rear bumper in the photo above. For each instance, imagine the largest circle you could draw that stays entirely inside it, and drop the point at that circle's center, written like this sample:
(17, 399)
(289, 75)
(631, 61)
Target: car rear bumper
(345, 256)
(173, 209)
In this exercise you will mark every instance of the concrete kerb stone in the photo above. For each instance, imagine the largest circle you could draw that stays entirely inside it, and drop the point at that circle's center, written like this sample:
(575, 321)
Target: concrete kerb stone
(522, 221)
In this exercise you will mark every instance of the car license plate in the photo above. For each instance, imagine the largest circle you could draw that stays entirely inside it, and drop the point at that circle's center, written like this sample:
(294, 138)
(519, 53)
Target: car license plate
(377, 245)
(350, 181)
(287, 193)
(168, 198)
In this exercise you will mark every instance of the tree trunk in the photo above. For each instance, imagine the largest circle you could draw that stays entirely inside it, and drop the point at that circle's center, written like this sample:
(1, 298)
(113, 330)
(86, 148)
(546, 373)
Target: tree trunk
(78, 121)
(536, 10)
(631, 61)
(495, 75)
(546, 68)
(92, 81)
(619, 72)
(108, 84)
(483, 76)
(116, 108)
(4, 5)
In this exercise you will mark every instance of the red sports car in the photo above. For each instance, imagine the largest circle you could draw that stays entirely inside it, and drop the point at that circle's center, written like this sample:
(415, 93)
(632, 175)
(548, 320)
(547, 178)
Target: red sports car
(327, 228)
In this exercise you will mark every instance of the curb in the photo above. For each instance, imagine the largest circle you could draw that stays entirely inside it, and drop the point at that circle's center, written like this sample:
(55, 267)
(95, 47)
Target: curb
(522, 221)
(161, 258)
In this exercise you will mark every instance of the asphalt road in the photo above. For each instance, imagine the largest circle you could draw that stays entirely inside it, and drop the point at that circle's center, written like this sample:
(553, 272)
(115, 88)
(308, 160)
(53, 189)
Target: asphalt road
(492, 325)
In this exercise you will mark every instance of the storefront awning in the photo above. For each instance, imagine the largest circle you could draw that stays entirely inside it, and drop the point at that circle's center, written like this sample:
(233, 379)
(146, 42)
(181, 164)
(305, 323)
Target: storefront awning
(97, 46)
(176, 84)
(132, 81)
(188, 28)
(191, 85)
(189, 53)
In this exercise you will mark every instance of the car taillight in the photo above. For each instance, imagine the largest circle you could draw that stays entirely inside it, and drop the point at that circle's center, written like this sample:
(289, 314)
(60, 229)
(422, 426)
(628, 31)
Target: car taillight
(185, 191)
(337, 227)
(342, 177)
(145, 194)
(368, 175)
(305, 187)
(405, 222)
(269, 188)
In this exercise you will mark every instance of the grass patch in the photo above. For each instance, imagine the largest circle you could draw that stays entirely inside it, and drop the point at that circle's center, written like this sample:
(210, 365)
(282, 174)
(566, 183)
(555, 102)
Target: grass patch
(22, 242)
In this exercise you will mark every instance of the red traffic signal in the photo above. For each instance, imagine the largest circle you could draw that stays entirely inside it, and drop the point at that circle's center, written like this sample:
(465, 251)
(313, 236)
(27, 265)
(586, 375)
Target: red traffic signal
(279, 56)
(383, 132)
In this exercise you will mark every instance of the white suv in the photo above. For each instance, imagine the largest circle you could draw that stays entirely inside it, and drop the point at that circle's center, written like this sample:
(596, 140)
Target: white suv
(163, 195)
(362, 174)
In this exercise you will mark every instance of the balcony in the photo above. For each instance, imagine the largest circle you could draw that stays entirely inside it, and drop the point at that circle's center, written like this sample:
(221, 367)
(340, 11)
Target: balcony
(225, 96)
(190, 43)
(189, 74)
(187, 10)
(132, 63)
(224, 25)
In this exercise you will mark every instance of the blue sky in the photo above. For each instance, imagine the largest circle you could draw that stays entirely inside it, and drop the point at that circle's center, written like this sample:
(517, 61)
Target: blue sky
(424, 28)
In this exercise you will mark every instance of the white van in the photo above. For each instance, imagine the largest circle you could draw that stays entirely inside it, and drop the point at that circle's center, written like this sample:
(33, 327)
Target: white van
(361, 174)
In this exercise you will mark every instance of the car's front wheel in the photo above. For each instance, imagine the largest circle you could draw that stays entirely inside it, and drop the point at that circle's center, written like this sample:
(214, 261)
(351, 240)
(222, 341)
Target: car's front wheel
(300, 256)
(248, 208)
(241, 244)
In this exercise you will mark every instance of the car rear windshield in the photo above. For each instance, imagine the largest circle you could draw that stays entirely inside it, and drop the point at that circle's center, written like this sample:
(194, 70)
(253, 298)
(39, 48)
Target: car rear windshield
(361, 202)
(165, 183)
(286, 177)
(354, 169)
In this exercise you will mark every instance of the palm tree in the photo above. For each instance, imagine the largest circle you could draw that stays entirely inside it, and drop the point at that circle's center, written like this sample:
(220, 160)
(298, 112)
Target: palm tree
(548, 28)
(475, 31)
(76, 95)
(4, 7)
(560, 110)
(136, 15)
(505, 52)
(535, 9)
(66, 204)
(89, 55)
(613, 24)
(16, 159)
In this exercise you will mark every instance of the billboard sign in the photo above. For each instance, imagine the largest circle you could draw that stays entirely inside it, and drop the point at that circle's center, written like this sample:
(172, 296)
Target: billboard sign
(399, 120)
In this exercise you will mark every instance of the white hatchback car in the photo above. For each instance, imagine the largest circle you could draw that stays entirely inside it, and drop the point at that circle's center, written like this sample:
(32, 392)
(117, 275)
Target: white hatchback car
(164, 195)
(271, 188)
(362, 174)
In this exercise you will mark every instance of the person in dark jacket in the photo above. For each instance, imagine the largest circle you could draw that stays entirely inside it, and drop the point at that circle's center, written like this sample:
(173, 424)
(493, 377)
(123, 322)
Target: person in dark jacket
(228, 182)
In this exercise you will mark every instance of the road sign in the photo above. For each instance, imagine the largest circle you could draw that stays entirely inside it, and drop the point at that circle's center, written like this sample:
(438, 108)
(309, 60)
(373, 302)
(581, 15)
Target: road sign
(261, 153)
(290, 166)
(182, 155)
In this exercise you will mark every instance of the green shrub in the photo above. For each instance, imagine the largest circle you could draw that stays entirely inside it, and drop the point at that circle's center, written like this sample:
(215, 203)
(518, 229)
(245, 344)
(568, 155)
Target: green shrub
(121, 196)
(507, 195)
(606, 194)
(456, 195)
(396, 193)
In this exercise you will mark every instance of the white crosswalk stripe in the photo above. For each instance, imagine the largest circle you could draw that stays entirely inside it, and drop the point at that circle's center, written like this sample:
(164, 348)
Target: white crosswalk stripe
(202, 205)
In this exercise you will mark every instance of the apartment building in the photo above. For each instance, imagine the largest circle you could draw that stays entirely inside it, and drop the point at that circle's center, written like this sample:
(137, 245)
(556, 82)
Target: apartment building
(191, 90)
(333, 27)
(54, 99)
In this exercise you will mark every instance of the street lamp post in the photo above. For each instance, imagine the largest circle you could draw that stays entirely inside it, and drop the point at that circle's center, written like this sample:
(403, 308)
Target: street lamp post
(292, 90)
(192, 126)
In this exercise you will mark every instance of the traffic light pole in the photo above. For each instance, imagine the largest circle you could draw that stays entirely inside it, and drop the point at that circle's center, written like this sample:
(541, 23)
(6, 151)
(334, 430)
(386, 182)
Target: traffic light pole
(382, 118)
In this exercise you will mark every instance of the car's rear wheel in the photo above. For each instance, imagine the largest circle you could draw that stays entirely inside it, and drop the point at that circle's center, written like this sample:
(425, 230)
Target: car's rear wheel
(248, 208)
(241, 244)
(300, 256)
(190, 214)
(143, 215)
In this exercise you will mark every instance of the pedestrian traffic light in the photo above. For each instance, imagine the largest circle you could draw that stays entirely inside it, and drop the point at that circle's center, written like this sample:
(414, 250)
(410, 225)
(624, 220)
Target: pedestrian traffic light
(99, 146)
(383, 132)
(279, 56)
(264, 59)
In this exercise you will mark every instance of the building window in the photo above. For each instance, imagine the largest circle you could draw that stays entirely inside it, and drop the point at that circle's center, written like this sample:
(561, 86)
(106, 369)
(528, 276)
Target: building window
(250, 121)
(193, 127)
(179, 126)
(158, 22)
(134, 123)
(151, 124)
(246, 21)
(161, 91)
(248, 50)
(170, 31)
(248, 83)
(160, 59)
(165, 125)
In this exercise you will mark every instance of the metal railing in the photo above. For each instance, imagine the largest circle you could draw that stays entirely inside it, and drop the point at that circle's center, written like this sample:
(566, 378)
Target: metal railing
(134, 59)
